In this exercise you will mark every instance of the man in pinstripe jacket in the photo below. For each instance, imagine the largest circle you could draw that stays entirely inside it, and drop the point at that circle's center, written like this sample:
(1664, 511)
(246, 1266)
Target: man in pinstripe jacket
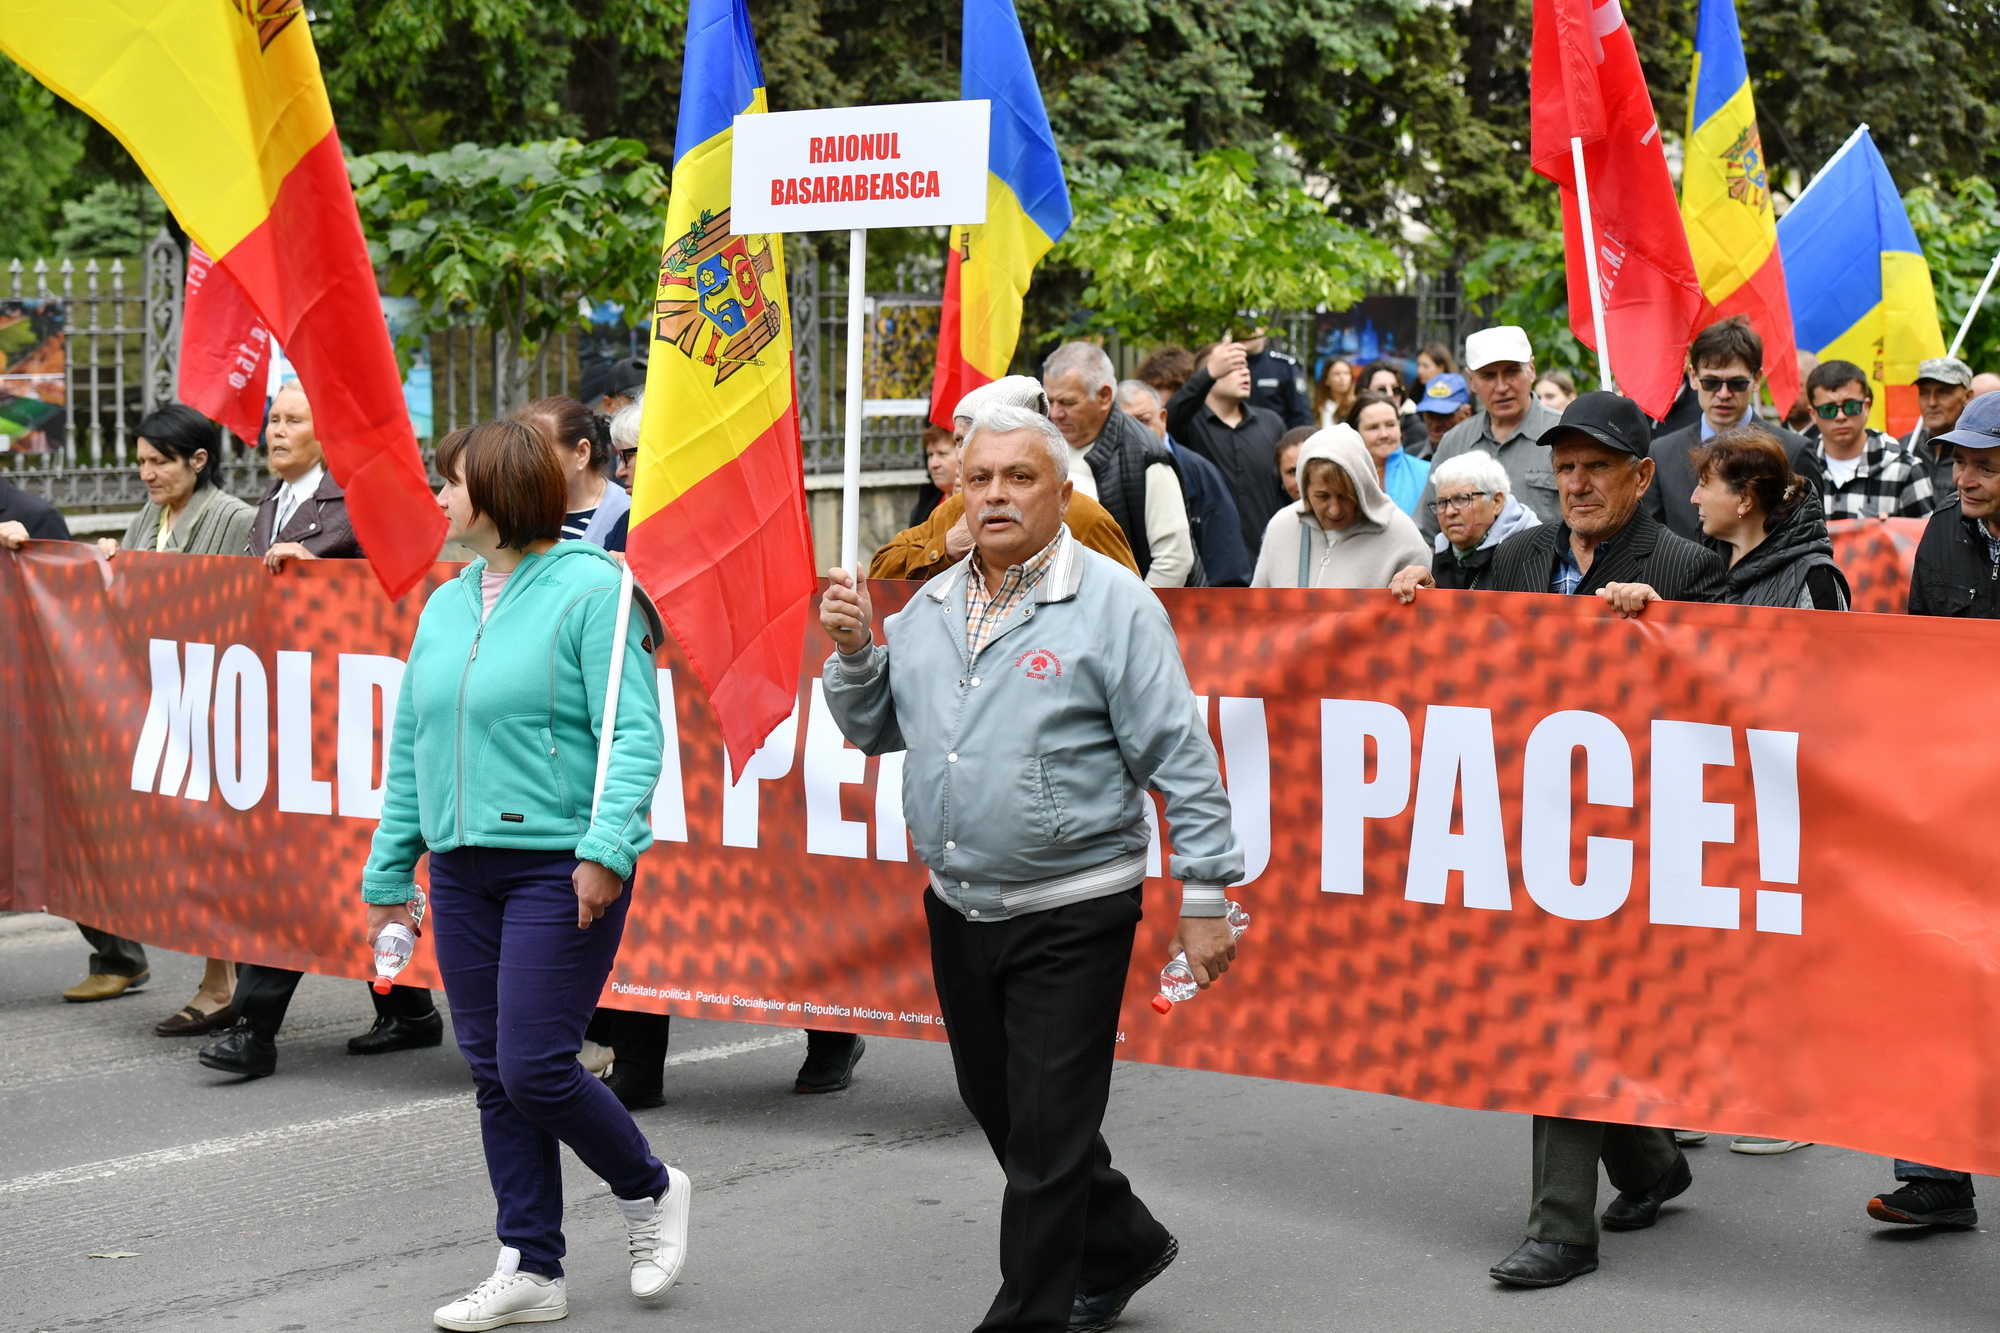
(1607, 545)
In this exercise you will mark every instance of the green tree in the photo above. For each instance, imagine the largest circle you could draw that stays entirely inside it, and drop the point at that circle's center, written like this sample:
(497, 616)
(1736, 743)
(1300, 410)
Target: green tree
(41, 142)
(515, 239)
(1184, 256)
(113, 219)
(1960, 232)
(1522, 280)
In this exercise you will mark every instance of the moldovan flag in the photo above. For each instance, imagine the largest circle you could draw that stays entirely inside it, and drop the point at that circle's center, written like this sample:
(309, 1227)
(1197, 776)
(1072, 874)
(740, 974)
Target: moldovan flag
(1027, 211)
(1726, 199)
(1861, 290)
(718, 532)
(1586, 83)
(220, 102)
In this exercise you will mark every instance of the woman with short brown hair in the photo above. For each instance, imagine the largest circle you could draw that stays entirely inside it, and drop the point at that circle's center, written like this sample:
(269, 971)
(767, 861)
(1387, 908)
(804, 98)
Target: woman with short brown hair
(1770, 518)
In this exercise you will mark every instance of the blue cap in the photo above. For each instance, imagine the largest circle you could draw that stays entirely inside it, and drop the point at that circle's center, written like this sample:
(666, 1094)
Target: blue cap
(1978, 425)
(1445, 393)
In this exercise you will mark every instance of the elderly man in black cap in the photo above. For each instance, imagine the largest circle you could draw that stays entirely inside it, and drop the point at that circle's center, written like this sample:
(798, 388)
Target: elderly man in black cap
(1608, 545)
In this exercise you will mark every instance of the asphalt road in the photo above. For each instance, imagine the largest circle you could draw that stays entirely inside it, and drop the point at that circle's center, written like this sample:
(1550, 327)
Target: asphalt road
(349, 1193)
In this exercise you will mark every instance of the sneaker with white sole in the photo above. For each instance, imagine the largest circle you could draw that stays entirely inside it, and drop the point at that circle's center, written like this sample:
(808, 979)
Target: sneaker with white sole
(1759, 1147)
(508, 1297)
(1688, 1138)
(656, 1234)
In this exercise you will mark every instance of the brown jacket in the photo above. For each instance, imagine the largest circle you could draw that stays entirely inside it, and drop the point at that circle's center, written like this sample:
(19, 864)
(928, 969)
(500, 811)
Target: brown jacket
(320, 524)
(918, 553)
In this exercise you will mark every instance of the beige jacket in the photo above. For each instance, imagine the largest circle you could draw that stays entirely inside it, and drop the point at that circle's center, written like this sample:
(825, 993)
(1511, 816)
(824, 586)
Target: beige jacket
(1366, 555)
(214, 523)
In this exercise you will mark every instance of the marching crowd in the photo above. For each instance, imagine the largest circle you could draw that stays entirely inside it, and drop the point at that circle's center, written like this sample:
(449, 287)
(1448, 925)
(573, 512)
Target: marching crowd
(1062, 498)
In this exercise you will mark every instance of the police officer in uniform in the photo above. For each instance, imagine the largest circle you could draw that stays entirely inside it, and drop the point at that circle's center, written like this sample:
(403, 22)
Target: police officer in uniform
(1277, 382)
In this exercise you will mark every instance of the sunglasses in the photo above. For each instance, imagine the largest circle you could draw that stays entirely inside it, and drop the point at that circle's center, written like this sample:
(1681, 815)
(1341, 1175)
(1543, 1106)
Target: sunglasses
(1853, 407)
(1716, 384)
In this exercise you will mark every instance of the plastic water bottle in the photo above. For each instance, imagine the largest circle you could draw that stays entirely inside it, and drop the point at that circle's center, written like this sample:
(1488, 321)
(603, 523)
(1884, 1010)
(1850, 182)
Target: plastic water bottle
(1177, 981)
(396, 943)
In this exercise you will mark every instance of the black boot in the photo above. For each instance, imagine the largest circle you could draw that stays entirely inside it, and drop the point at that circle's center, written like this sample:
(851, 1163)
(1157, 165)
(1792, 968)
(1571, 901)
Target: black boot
(1096, 1312)
(1636, 1210)
(1544, 1263)
(830, 1061)
(243, 1052)
(638, 1072)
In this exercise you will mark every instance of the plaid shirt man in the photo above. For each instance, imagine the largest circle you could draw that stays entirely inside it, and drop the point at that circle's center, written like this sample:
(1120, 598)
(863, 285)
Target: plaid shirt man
(1890, 482)
(984, 610)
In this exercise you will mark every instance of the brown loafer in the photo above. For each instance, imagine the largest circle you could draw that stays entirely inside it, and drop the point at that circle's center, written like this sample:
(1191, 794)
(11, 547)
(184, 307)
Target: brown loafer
(192, 1022)
(104, 986)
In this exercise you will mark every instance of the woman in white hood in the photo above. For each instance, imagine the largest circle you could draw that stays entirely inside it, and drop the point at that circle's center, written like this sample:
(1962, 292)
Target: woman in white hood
(1345, 532)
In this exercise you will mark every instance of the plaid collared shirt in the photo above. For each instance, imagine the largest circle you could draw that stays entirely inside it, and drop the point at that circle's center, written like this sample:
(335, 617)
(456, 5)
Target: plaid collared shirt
(1891, 482)
(1569, 575)
(984, 610)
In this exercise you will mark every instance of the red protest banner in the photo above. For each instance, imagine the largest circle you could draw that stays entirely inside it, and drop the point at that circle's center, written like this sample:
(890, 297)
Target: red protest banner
(1505, 851)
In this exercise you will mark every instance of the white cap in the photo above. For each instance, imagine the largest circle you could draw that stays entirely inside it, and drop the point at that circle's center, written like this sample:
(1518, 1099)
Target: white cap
(1505, 342)
(1013, 390)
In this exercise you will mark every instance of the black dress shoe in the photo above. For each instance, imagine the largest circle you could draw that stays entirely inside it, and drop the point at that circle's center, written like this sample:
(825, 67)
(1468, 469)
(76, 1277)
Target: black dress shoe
(243, 1052)
(394, 1033)
(1545, 1263)
(1635, 1212)
(830, 1061)
(1094, 1312)
(635, 1089)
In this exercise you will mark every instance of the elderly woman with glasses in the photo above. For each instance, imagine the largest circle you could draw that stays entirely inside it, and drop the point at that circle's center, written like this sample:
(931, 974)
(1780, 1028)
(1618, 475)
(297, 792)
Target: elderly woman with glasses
(1474, 514)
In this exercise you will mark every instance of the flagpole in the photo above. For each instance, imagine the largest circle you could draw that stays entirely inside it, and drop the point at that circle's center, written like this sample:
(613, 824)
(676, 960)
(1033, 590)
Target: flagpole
(1972, 311)
(1590, 266)
(850, 491)
(620, 619)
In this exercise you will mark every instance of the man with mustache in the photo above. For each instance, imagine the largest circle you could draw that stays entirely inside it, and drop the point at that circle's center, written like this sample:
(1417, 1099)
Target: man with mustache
(1038, 691)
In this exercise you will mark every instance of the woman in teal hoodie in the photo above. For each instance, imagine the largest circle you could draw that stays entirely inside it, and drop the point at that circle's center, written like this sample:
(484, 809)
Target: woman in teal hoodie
(491, 769)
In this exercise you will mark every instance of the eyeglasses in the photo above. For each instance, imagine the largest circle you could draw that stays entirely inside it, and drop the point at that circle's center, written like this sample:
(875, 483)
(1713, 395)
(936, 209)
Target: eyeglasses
(1451, 504)
(1716, 384)
(1852, 407)
(629, 456)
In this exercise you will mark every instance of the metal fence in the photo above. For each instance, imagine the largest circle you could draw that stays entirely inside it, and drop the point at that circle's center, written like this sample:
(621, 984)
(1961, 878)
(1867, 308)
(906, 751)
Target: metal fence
(121, 322)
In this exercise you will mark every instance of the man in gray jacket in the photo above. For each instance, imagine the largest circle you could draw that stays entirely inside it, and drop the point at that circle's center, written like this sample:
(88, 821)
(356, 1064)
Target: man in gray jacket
(1038, 690)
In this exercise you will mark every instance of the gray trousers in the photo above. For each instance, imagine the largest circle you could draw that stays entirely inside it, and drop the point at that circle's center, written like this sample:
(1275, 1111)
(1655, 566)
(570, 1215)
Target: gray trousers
(1564, 1208)
(114, 954)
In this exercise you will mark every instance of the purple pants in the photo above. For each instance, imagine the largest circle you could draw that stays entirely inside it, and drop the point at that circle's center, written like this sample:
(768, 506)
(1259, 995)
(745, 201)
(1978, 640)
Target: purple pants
(523, 981)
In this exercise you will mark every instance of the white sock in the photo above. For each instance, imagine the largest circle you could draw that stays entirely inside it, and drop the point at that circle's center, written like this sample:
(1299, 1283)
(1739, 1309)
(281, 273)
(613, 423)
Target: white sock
(637, 1210)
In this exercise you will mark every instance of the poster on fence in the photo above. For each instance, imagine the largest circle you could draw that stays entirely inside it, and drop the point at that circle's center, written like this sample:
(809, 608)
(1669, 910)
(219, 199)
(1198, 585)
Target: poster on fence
(33, 387)
(1504, 851)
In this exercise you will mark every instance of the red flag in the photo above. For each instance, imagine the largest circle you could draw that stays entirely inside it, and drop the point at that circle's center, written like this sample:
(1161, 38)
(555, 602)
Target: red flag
(1587, 84)
(225, 349)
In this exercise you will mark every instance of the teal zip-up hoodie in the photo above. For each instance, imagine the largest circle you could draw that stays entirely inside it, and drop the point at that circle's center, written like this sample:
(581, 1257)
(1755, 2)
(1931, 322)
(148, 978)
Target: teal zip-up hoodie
(497, 724)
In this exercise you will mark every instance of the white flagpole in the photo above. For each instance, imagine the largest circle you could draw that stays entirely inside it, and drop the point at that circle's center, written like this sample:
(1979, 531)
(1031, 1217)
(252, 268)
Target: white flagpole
(1590, 266)
(1972, 311)
(850, 493)
(611, 684)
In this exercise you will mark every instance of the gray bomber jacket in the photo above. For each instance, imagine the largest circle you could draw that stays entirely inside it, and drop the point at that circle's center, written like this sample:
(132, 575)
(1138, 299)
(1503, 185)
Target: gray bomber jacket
(1026, 769)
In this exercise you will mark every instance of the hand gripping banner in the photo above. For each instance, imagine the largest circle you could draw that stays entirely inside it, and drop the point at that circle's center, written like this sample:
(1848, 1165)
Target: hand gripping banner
(1506, 852)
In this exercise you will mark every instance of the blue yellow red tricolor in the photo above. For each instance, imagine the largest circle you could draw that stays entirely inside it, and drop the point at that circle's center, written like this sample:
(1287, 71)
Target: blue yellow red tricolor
(1027, 210)
(719, 536)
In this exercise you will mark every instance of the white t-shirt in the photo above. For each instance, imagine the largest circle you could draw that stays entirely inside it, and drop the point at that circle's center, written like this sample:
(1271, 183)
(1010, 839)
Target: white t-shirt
(295, 494)
(1840, 471)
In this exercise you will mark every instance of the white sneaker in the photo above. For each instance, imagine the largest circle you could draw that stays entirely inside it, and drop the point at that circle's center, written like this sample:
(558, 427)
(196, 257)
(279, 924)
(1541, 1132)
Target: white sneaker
(1687, 1138)
(594, 1058)
(657, 1235)
(508, 1297)
(1758, 1147)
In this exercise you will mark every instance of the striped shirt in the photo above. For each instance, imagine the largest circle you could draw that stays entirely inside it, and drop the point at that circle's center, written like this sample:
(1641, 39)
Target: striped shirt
(984, 611)
(1888, 482)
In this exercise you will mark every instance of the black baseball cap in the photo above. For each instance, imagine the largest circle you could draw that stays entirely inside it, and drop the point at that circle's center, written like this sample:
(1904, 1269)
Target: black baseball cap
(1978, 425)
(1608, 419)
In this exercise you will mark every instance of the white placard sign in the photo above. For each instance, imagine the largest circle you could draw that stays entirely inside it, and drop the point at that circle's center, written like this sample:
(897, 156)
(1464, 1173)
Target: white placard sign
(920, 164)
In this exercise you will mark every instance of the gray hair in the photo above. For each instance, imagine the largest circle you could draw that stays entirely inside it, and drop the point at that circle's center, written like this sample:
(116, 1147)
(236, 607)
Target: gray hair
(1086, 359)
(1131, 389)
(1477, 469)
(625, 424)
(1003, 419)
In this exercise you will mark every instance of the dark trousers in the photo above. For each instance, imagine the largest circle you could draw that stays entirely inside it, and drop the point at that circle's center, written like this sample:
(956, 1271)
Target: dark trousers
(1031, 1008)
(263, 994)
(1564, 1209)
(113, 955)
(523, 981)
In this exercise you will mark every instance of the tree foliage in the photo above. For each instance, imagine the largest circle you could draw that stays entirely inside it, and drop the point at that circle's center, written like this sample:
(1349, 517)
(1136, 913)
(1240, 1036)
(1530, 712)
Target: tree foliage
(514, 239)
(1960, 232)
(1185, 256)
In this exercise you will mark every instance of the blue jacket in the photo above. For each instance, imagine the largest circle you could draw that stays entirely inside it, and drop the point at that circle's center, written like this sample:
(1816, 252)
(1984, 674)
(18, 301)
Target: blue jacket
(1403, 478)
(498, 748)
(1025, 779)
(1218, 530)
